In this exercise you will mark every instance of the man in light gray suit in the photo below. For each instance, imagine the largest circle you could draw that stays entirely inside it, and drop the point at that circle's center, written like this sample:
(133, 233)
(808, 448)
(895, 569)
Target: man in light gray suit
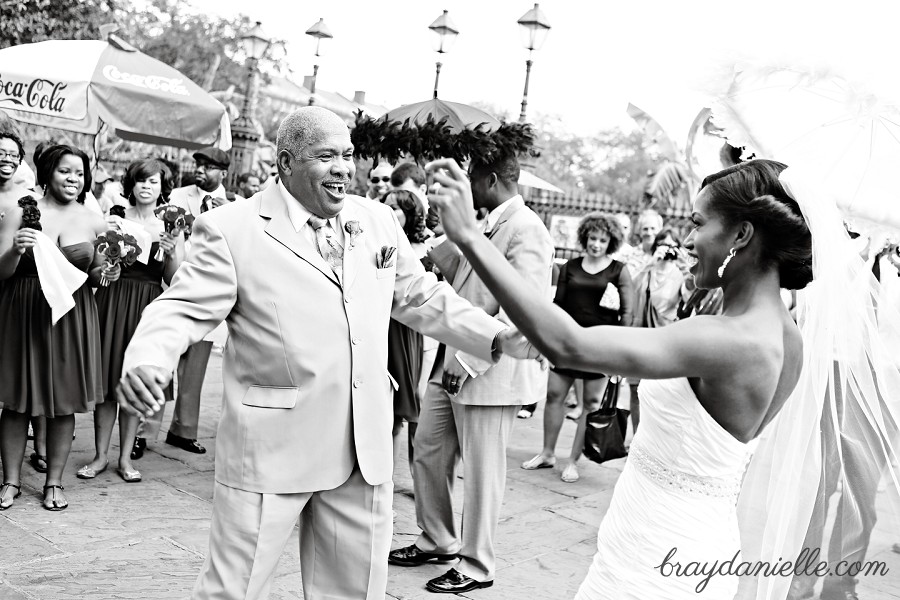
(307, 278)
(470, 406)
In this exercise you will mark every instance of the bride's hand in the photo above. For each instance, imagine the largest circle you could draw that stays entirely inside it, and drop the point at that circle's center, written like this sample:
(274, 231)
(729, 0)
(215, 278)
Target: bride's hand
(454, 200)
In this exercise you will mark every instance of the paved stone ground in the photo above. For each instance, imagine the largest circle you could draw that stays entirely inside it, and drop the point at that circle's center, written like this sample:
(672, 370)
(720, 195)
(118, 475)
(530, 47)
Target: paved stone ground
(147, 540)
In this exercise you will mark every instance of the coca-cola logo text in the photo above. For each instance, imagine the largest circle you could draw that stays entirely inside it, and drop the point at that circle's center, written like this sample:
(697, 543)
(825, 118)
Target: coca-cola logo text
(150, 82)
(38, 93)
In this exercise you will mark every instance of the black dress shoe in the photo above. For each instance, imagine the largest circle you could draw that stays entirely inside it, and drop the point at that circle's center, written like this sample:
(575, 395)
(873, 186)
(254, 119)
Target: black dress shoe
(185, 443)
(137, 449)
(411, 556)
(454, 582)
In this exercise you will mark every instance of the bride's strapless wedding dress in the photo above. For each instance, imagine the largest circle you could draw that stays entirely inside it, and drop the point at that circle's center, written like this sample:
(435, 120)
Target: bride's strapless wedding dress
(675, 498)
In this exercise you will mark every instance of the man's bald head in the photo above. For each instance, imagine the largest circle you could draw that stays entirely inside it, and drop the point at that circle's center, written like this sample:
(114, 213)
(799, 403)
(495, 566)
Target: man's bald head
(306, 126)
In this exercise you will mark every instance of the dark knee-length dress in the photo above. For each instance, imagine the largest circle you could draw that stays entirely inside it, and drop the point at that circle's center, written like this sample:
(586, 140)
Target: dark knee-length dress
(120, 306)
(48, 370)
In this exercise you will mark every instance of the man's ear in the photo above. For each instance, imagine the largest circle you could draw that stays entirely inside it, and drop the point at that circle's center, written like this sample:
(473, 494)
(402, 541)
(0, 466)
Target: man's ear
(283, 161)
(493, 181)
(745, 233)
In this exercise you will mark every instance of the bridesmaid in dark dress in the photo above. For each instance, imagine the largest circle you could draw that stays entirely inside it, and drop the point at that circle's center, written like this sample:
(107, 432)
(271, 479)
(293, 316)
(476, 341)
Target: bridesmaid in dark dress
(49, 370)
(405, 346)
(147, 185)
(583, 283)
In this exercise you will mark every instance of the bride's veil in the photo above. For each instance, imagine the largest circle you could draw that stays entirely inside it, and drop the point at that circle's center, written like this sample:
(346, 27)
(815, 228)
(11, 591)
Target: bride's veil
(813, 481)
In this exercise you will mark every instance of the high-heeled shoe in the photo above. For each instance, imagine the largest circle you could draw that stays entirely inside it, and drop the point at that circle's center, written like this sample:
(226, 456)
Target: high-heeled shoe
(137, 449)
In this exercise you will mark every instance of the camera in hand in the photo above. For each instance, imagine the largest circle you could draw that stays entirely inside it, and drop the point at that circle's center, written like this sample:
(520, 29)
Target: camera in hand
(669, 252)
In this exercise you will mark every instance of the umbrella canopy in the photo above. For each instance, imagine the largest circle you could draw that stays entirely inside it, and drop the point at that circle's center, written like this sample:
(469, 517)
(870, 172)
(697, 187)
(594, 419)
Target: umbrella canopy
(529, 179)
(78, 85)
(845, 136)
(458, 116)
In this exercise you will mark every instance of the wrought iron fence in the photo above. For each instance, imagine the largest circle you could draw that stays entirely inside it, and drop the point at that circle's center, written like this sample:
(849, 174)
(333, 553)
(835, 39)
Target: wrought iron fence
(562, 211)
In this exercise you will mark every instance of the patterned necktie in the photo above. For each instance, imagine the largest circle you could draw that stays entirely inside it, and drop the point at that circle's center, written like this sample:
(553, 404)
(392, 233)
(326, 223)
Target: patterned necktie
(204, 204)
(327, 243)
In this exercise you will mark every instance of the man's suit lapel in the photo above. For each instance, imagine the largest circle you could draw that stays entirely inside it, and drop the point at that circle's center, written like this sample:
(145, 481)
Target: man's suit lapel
(271, 207)
(193, 201)
(506, 216)
(465, 268)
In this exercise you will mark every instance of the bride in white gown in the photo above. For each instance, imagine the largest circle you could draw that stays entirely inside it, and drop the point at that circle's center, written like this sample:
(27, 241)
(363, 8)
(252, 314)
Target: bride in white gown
(712, 383)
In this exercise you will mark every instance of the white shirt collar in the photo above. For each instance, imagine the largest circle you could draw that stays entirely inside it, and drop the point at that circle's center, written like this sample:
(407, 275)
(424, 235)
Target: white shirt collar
(298, 215)
(219, 192)
(494, 215)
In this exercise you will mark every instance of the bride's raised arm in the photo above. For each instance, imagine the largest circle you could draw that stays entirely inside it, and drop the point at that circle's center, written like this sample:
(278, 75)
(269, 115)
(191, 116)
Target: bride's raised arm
(701, 347)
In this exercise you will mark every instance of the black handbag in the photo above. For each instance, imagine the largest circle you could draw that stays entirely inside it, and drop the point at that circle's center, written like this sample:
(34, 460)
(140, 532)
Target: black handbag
(604, 434)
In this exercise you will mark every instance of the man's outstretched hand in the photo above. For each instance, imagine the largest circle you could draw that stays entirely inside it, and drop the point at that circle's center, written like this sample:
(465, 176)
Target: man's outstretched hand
(511, 342)
(140, 390)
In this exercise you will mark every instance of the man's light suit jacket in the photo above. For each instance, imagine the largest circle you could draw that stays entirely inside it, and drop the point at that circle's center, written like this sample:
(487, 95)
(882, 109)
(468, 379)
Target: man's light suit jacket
(523, 239)
(306, 388)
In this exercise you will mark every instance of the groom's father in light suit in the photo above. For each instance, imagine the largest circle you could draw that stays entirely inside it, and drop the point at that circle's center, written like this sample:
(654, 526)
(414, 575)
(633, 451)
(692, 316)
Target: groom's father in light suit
(307, 278)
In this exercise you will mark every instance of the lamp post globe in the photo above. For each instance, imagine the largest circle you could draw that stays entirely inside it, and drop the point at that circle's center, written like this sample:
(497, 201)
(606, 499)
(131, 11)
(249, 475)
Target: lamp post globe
(445, 34)
(320, 32)
(534, 27)
(245, 130)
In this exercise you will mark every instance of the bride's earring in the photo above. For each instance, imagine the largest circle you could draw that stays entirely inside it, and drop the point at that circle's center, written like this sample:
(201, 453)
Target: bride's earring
(725, 263)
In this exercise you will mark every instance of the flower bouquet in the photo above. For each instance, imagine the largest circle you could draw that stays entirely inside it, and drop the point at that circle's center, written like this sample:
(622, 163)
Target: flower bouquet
(118, 248)
(31, 214)
(176, 221)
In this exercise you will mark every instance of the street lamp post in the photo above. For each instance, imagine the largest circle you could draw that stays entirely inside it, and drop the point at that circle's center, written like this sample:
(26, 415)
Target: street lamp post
(245, 130)
(534, 27)
(446, 33)
(320, 32)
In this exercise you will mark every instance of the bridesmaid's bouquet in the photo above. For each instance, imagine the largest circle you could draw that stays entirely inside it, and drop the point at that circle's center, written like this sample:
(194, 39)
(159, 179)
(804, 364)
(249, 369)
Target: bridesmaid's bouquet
(176, 221)
(31, 214)
(118, 248)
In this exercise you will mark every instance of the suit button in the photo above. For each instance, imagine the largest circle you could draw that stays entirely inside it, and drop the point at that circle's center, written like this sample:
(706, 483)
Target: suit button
(357, 383)
(355, 341)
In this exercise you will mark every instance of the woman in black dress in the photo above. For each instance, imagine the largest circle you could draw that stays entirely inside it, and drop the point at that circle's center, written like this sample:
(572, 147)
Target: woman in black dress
(595, 290)
(405, 345)
(147, 185)
(49, 370)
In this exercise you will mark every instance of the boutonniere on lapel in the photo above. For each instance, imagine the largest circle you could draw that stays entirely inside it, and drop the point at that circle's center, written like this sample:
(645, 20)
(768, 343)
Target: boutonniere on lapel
(385, 258)
(353, 230)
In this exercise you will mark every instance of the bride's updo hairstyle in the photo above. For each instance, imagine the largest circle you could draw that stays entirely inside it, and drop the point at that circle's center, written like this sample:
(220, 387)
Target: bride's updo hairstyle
(750, 191)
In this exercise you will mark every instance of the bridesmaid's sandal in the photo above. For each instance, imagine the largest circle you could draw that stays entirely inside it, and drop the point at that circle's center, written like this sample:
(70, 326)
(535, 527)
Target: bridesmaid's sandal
(4, 492)
(570, 473)
(54, 499)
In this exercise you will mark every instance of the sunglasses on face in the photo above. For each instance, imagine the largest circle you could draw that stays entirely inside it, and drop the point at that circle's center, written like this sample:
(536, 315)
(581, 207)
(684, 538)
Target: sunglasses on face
(381, 179)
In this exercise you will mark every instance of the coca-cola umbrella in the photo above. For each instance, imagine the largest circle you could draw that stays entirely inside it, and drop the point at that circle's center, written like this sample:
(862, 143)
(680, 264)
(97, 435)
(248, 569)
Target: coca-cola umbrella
(80, 85)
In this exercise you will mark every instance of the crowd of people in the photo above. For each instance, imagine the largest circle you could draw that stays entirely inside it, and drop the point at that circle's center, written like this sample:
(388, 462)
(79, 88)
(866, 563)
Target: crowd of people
(347, 317)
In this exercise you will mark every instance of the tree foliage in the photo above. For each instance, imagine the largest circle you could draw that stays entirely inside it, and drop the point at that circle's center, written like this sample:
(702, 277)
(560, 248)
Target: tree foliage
(613, 162)
(204, 48)
(27, 21)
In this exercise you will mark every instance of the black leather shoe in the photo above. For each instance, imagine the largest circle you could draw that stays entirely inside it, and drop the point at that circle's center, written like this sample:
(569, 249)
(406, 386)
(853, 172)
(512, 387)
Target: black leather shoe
(454, 582)
(137, 449)
(185, 443)
(411, 556)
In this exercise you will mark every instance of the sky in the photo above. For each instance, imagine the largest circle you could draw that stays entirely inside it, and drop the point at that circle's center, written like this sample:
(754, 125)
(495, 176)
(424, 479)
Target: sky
(598, 56)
